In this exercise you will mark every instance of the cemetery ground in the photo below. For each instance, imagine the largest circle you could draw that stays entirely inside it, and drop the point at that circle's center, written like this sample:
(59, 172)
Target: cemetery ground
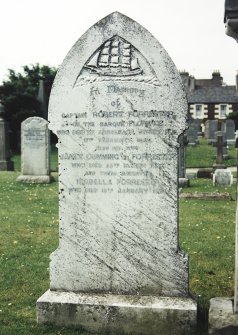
(29, 233)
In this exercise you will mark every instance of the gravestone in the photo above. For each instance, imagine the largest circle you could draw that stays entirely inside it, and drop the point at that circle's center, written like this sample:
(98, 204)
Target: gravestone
(117, 107)
(230, 132)
(35, 151)
(198, 123)
(183, 181)
(5, 157)
(222, 177)
(192, 133)
(211, 126)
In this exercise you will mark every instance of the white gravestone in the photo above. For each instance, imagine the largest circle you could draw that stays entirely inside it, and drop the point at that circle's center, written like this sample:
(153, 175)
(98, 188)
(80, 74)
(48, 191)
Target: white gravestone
(222, 177)
(118, 108)
(35, 151)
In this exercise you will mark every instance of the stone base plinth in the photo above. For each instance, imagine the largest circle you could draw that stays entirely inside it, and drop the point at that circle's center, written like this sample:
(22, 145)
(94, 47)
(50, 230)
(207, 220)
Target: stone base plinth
(123, 314)
(222, 319)
(34, 179)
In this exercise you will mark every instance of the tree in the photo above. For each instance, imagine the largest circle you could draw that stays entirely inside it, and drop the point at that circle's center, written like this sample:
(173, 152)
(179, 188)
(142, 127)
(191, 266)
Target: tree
(18, 94)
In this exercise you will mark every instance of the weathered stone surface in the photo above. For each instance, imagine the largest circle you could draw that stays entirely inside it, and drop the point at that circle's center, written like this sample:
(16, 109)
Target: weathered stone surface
(118, 109)
(118, 161)
(108, 313)
(35, 151)
(222, 177)
(206, 196)
(222, 320)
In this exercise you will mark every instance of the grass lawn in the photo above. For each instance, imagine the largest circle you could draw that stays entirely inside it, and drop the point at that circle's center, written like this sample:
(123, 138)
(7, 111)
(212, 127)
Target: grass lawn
(29, 233)
(203, 155)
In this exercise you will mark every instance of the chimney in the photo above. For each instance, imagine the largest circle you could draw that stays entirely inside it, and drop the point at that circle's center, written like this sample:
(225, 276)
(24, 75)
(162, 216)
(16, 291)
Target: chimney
(217, 80)
(191, 83)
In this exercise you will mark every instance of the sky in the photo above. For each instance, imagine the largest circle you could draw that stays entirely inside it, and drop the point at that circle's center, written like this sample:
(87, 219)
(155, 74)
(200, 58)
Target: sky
(191, 31)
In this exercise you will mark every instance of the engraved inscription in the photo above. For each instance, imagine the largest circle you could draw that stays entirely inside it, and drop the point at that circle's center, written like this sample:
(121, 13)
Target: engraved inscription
(119, 161)
(34, 138)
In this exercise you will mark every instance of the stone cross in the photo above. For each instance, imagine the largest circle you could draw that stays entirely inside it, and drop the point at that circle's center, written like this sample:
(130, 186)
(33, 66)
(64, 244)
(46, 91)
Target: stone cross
(118, 107)
(35, 151)
(219, 144)
(220, 148)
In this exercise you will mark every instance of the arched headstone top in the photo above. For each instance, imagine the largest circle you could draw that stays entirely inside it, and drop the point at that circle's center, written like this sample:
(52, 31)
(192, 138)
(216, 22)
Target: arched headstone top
(34, 121)
(117, 49)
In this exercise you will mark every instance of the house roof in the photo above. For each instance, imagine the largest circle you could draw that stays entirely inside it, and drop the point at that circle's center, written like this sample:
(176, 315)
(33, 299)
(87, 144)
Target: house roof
(219, 94)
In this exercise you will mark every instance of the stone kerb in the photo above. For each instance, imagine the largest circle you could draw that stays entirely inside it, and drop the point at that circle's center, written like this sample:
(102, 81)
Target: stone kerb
(117, 107)
(35, 151)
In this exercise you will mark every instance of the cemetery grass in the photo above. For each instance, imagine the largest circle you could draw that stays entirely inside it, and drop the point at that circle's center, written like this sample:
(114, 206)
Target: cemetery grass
(203, 155)
(29, 233)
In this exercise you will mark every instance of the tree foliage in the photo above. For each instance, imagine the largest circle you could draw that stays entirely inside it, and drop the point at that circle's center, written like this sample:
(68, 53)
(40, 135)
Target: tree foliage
(18, 94)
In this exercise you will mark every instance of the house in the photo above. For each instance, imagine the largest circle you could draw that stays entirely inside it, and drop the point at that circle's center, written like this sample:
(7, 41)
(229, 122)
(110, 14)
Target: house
(210, 99)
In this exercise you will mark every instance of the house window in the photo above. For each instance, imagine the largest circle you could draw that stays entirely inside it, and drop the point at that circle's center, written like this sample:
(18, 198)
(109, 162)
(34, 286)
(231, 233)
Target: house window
(198, 111)
(223, 110)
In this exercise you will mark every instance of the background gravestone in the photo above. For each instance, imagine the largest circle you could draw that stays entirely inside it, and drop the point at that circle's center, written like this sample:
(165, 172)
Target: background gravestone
(5, 157)
(198, 123)
(192, 133)
(211, 126)
(230, 132)
(118, 108)
(222, 177)
(35, 151)
(183, 180)
(206, 129)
